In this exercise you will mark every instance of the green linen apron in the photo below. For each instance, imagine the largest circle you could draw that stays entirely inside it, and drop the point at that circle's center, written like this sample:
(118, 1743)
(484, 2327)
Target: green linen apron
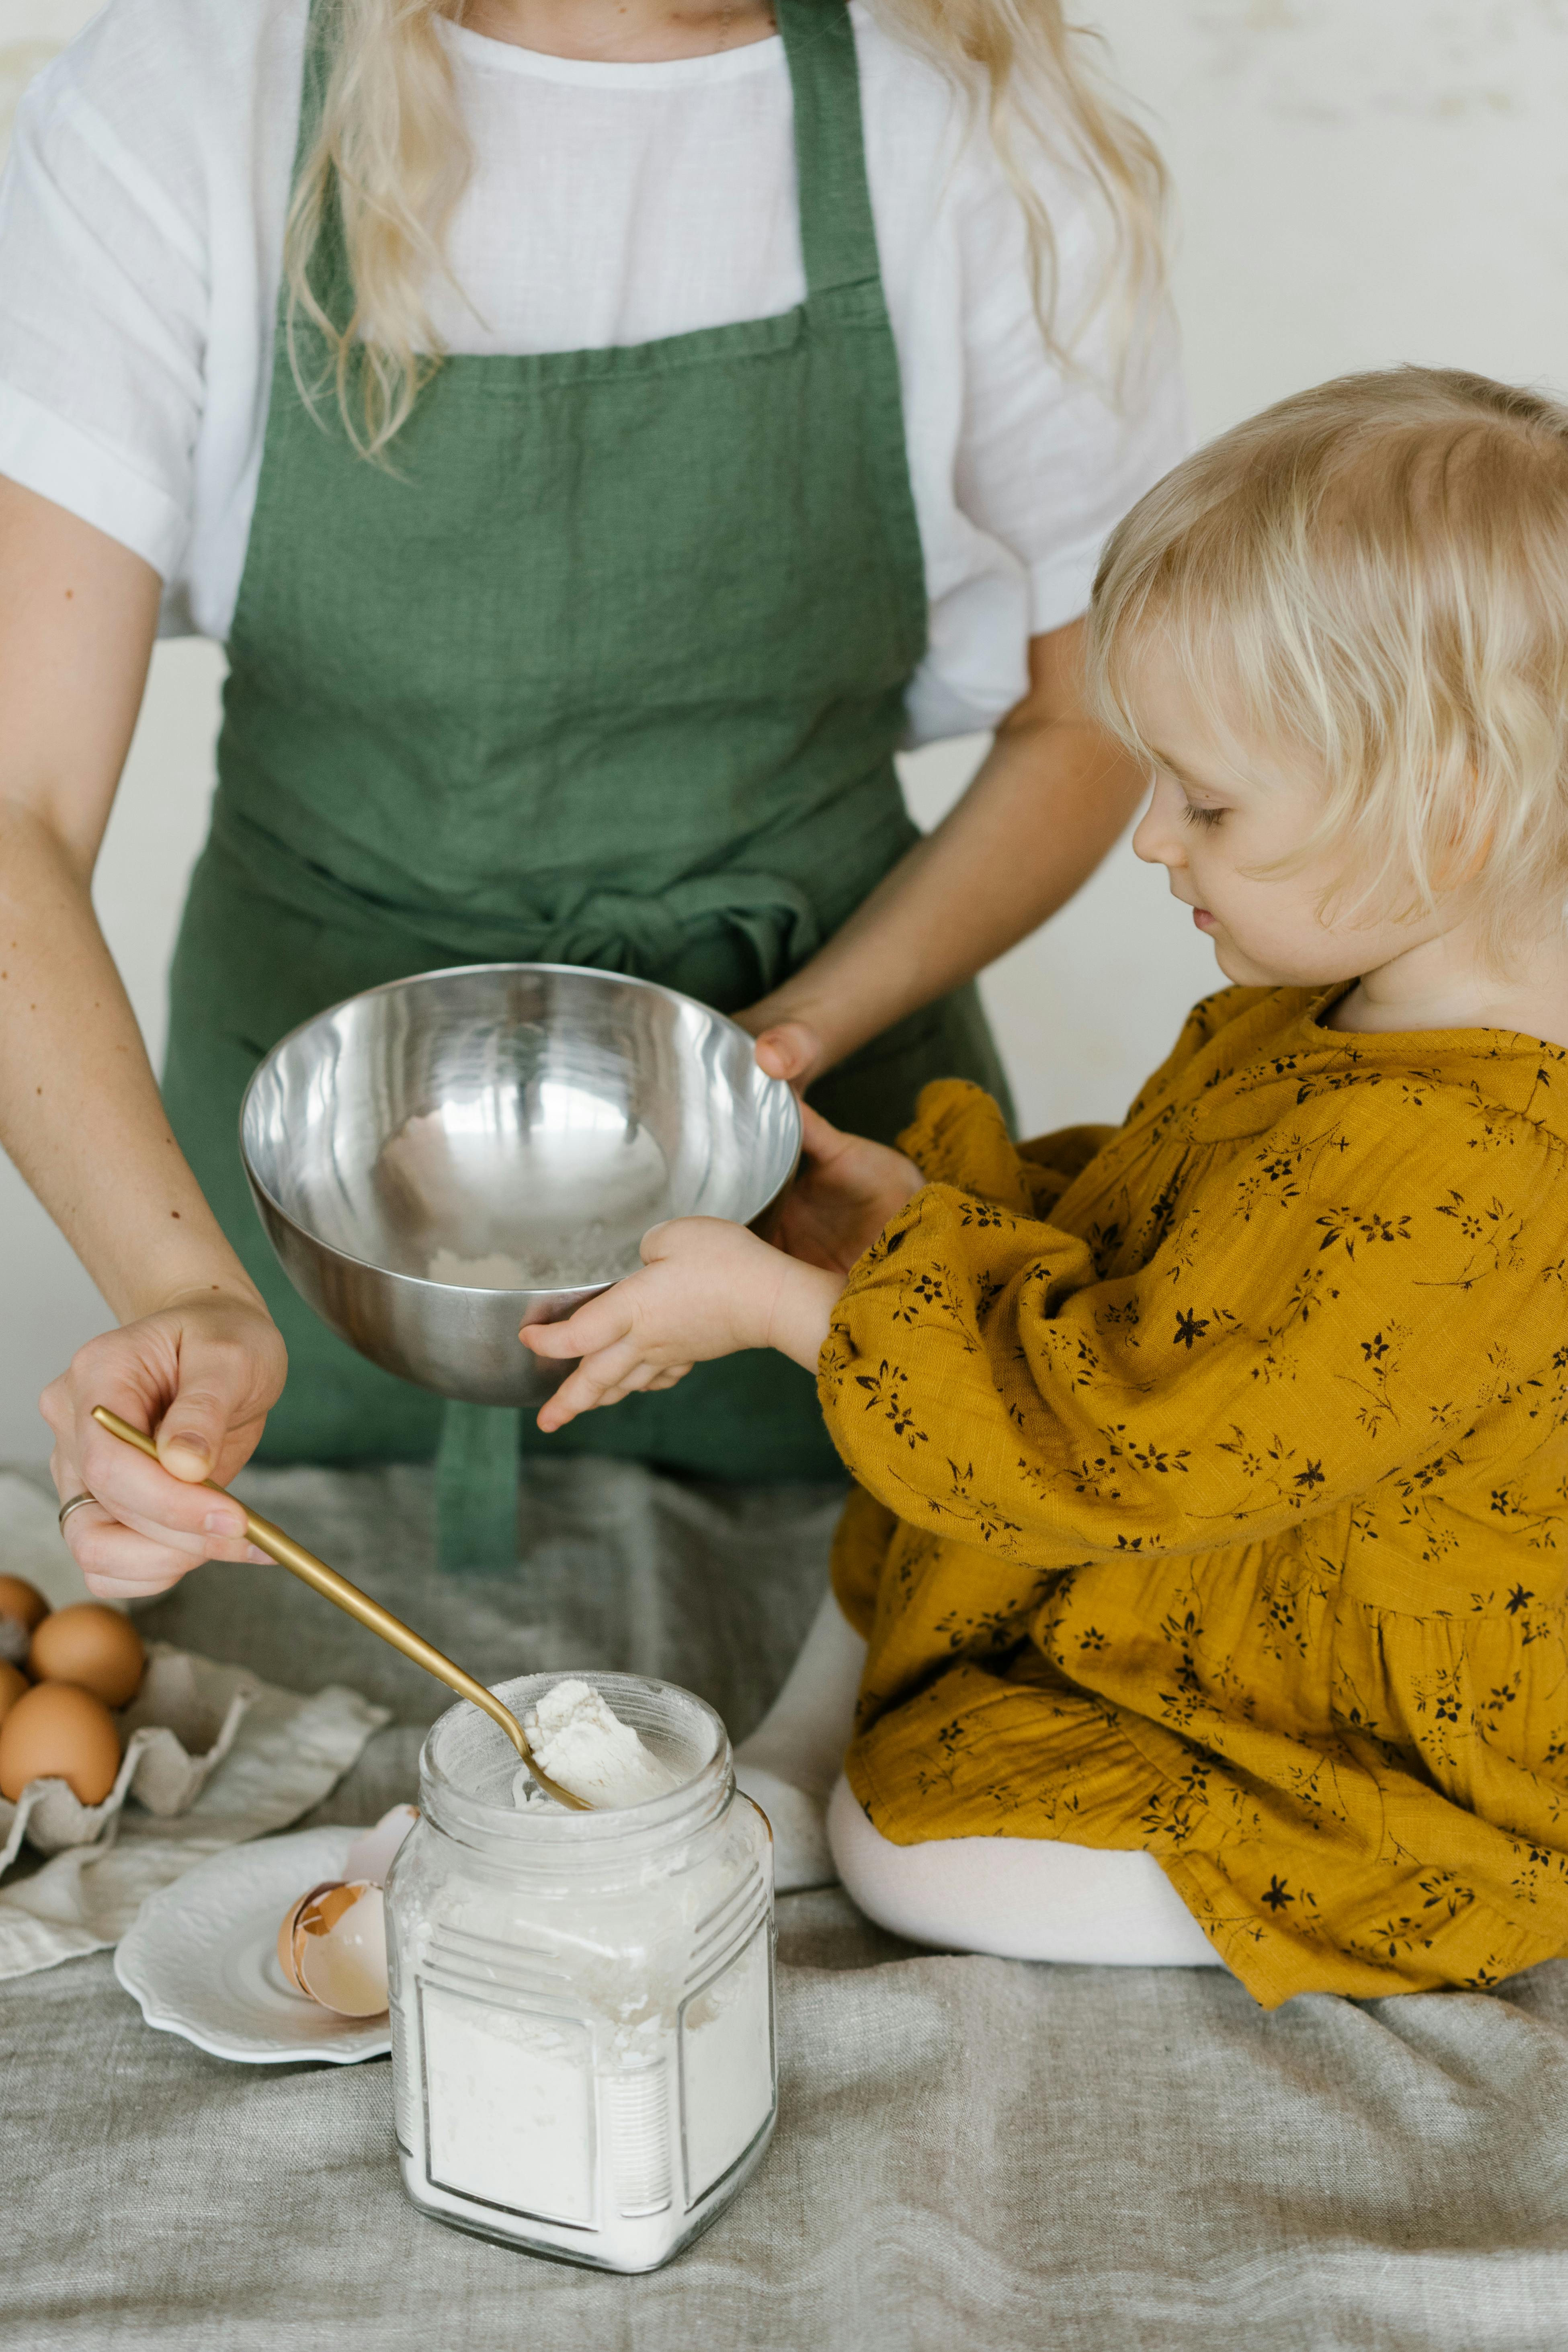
(607, 668)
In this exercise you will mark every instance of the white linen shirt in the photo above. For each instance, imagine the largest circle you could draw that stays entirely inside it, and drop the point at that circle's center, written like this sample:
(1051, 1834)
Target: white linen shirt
(141, 219)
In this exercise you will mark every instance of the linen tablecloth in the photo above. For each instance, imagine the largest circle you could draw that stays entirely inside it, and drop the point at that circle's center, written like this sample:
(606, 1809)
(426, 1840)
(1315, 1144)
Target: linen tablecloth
(972, 2153)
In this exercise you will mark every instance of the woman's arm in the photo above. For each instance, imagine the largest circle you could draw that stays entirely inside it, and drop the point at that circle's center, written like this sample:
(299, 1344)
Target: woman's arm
(198, 1357)
(1051, 798)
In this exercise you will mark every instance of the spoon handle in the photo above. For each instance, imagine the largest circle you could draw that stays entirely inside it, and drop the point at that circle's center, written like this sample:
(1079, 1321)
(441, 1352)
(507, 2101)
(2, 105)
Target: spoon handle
(355, 1603)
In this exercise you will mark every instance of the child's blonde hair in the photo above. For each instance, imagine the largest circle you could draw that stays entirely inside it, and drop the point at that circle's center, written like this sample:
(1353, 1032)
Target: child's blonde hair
(391, 144)
(1375, 575)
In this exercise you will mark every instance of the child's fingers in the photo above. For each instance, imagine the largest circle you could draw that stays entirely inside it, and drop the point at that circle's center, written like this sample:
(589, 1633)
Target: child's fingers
(603, 1378)
(600, 1323)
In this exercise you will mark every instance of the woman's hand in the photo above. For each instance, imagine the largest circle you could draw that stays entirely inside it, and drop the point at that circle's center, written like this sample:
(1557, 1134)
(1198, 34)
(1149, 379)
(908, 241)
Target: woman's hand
(846, 1191)
(197, 1356)
(200, 1374)
(706, 1288)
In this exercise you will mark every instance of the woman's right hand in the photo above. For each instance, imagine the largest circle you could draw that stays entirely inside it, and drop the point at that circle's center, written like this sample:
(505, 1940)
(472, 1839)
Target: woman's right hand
(845, 1194)
(200, 1374)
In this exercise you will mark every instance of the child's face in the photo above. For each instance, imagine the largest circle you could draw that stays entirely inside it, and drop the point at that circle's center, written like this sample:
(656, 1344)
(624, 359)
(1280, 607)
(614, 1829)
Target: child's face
(1220, 812)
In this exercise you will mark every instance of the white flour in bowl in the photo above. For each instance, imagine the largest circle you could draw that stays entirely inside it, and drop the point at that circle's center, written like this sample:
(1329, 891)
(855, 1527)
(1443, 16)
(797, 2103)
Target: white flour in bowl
(588, 1255)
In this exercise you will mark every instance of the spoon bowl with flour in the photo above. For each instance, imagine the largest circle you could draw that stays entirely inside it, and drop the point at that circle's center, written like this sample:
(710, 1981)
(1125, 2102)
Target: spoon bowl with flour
(581, 1743)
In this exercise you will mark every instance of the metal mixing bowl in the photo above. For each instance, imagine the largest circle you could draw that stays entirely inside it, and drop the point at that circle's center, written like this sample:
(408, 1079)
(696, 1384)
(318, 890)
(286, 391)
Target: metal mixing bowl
(539, 1116)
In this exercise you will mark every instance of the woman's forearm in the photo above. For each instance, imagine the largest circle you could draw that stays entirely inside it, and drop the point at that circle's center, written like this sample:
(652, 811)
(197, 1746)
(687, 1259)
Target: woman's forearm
(79, 1109)
(1050, 799)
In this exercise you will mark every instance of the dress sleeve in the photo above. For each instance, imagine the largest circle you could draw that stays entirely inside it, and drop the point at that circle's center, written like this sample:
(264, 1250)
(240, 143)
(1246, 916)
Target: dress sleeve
(959, 1137)
(103, 292)
(1330, 1304)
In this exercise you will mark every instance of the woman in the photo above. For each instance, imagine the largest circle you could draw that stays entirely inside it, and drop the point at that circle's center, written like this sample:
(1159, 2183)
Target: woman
(598, 432)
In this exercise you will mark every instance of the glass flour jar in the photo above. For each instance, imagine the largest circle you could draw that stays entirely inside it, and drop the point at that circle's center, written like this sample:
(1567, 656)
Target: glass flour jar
(583, 2002)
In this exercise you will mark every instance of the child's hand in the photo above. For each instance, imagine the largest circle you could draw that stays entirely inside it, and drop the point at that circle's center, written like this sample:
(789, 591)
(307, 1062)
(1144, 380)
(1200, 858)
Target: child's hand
(706, 1290)
(845, 1194)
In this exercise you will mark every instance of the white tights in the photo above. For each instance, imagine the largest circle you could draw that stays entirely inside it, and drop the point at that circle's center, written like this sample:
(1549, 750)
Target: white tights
(1023, 1898)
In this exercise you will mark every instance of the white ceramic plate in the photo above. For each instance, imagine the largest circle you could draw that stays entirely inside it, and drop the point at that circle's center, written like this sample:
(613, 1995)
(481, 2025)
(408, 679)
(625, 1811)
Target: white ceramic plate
(202, 1956)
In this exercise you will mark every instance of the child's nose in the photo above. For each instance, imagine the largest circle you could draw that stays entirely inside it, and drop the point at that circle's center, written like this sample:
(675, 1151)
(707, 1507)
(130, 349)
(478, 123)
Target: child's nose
(1158, 839)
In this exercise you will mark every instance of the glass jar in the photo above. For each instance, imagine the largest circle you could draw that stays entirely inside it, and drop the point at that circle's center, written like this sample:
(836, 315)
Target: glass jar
(582, 2003)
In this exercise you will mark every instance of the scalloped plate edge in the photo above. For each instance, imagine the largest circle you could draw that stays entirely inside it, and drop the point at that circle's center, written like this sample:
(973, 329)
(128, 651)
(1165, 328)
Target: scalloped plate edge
(352, 2047)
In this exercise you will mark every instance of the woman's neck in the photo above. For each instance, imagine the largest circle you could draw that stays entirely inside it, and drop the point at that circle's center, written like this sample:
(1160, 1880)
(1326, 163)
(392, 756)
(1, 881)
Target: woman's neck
(622, 32)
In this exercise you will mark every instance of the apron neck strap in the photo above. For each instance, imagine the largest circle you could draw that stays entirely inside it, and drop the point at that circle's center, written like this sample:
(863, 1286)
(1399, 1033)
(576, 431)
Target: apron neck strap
(320, 49)
(837, 234)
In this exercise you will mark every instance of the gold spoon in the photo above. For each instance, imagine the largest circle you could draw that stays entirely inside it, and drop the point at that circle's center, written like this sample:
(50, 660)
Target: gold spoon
(355, 1603)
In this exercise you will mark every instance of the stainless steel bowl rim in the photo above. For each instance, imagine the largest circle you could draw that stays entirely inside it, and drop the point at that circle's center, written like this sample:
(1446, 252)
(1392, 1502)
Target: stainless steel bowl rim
(448, 971)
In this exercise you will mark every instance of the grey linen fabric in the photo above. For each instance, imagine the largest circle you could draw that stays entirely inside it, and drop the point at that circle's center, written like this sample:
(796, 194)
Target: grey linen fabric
(971, 2152)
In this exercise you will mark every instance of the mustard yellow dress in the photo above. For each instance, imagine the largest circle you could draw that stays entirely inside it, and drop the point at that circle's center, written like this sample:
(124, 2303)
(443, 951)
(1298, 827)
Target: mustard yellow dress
(1213, 1493)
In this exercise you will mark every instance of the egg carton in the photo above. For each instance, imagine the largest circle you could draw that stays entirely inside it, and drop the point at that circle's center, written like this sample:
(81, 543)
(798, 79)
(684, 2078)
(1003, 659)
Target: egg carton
(177, 1730)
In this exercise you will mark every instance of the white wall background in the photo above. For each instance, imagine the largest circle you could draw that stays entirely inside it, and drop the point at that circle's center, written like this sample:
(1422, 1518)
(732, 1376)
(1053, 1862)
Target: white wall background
(1362, 182)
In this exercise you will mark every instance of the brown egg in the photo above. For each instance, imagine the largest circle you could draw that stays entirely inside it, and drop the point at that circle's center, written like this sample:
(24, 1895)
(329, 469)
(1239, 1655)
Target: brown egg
(21, 1607)
(14, 1685)
(23, 1601)
(94, 1647)
(59, 1733)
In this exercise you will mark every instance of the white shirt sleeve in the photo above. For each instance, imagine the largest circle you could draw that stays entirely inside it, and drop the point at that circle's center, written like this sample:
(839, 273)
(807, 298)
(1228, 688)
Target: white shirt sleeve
(1021, 467)
(1052, 456)
(141, 249)
(103, 327)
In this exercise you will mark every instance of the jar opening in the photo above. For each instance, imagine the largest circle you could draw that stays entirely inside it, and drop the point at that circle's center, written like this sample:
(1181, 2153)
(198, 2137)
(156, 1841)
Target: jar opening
(467, 1768)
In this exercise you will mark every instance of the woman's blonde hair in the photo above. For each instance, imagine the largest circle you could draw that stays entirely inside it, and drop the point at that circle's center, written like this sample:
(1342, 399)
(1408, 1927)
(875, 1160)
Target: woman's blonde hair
(392, 155)
(1373, 576)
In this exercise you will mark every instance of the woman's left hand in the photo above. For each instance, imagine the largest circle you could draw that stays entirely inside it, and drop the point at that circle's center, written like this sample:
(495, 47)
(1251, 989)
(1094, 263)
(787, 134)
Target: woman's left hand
(706, 1288)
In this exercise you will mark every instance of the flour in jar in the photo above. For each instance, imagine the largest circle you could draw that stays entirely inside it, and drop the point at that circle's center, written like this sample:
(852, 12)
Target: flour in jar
(582, 2024)
(583, 1744)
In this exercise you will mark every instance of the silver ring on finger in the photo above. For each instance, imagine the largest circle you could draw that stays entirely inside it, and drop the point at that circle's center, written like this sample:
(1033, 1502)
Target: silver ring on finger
(75, 1504)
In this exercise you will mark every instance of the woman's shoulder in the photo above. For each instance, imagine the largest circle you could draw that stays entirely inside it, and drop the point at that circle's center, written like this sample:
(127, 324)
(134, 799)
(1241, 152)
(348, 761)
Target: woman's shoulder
(928, 117)
(167, 76)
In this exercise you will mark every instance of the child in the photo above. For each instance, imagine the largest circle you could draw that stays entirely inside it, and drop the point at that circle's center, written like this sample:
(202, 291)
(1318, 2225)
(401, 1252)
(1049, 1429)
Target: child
(1213, 1469)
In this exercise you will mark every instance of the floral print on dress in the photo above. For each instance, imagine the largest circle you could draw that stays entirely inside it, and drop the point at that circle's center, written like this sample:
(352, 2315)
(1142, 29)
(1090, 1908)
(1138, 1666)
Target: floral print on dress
(1213, 1493)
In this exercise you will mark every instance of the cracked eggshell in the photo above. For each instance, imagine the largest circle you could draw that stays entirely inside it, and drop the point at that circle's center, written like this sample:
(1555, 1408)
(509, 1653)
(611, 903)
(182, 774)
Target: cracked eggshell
(373, 1851)
(291, 1920)
(331, 1947)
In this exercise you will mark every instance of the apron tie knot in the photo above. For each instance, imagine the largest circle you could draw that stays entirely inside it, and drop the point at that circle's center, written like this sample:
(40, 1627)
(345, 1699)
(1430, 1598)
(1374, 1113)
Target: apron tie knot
(646, 937)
